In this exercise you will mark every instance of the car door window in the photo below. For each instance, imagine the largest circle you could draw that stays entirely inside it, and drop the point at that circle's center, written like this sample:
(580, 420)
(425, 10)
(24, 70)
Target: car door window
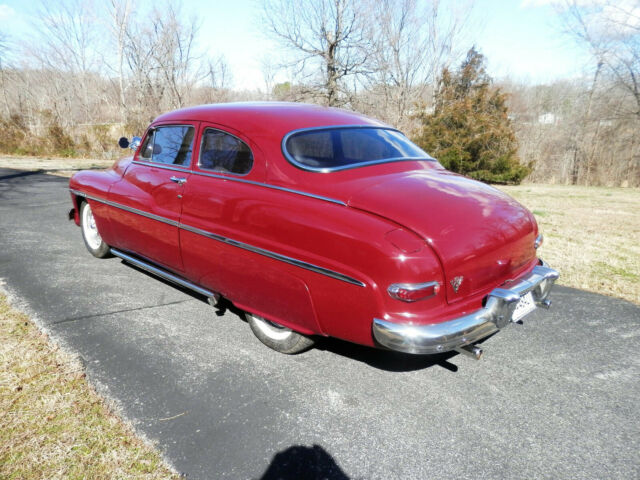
(222, 152)
(170, 145)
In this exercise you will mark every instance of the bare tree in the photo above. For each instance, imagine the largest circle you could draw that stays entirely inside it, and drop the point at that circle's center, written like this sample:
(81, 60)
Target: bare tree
(610, 29)
(269, 71)
(160, 60)
(119, 15)
(413, 42)
(173, 51)
(330, 35)
(216, 78)
(217, 72)
(4, 51)
(66, 43)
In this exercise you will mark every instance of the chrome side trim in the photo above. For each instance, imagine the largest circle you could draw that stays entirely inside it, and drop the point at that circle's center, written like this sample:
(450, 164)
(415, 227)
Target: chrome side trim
(162, 273)
(302, 166)
(273, 187)
(241, 180)
(462, 331)
(230, 241)
(126, 208)
(276, 256)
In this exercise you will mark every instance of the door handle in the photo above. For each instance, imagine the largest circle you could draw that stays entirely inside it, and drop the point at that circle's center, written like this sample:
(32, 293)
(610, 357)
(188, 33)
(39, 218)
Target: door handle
(179, 180)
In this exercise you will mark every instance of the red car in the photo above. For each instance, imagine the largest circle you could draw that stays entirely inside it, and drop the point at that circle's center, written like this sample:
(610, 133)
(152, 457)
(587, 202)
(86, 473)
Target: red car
(317, 222)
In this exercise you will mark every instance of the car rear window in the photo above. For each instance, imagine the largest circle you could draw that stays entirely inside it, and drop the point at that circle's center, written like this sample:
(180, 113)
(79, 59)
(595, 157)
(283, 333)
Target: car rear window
(338, 148)
(223, 152)
(171, 145)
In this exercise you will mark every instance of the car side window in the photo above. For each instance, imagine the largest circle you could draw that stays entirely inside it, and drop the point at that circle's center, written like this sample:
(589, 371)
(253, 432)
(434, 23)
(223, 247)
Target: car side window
(170, 145)
(222, 152)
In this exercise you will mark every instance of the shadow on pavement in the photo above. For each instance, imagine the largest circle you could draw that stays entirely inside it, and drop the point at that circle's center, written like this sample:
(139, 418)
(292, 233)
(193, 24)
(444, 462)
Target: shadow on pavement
(21, 174)
(375, 357)
(385, 359)
(300, 462)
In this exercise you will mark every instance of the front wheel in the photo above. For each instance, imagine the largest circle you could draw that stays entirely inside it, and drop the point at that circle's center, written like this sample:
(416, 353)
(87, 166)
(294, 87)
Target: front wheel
(92, 239)
(277, 337)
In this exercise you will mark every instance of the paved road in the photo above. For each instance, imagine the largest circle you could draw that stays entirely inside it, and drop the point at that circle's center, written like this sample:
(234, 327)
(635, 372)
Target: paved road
(558, 397)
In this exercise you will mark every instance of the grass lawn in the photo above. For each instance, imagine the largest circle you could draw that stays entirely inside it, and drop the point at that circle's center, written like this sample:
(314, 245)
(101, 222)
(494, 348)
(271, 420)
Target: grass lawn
(591, 235)
(52, 423)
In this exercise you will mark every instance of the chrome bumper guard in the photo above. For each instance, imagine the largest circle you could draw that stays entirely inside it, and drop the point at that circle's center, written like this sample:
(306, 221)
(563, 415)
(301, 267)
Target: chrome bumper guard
(496, 314)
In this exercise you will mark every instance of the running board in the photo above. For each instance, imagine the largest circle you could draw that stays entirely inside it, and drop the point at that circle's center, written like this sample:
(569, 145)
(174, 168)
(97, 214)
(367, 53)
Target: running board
(211, 296)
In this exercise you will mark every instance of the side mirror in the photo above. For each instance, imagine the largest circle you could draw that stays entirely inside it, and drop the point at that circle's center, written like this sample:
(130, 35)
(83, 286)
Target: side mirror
(133, 145)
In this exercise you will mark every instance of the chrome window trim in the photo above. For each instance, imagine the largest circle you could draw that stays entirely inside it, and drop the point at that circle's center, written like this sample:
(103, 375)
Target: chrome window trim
(157, 127)
(165, 166)
(234, 136)
(290, 158)
(228, 241)
(273, 187)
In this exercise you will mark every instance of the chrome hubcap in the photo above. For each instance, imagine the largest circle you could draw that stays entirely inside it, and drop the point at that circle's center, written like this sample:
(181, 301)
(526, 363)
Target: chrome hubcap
(91, 234)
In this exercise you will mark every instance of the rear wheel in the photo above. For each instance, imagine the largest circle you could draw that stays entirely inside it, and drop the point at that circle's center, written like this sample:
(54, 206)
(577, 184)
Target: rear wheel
(92, 239)
(277, 337)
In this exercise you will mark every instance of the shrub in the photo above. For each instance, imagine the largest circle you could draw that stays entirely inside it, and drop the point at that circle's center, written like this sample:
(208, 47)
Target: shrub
(469, 131)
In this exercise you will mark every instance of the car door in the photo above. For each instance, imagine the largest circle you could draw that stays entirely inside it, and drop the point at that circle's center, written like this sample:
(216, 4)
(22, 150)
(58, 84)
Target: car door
(222, 233)
(149, 196)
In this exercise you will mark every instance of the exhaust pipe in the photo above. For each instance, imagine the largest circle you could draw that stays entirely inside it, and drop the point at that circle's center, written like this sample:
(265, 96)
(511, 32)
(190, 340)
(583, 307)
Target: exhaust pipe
(471, 351)
(213, 299)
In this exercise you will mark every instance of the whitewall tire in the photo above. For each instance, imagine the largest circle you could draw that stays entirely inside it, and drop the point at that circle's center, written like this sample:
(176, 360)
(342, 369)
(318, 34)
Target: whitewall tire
(277, 337)
(92, 239)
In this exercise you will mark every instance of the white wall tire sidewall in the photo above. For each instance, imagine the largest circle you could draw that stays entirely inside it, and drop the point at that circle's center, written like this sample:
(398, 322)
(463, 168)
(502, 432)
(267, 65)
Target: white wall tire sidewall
(272, 331)
(89, 229)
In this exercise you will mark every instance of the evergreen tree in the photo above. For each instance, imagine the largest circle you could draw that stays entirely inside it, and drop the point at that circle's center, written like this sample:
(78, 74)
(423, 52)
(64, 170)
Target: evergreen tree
(469, 131)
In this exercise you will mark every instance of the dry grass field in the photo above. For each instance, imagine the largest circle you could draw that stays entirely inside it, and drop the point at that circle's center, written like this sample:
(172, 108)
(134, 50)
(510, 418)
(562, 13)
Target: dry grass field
(52, 423)
(592, 235)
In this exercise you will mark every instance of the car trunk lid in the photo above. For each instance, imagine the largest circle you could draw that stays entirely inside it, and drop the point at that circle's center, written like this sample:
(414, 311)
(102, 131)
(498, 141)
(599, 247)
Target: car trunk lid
(482, 236)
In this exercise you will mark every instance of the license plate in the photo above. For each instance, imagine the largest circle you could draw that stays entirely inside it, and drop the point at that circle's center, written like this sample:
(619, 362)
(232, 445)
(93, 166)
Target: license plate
(525, 306)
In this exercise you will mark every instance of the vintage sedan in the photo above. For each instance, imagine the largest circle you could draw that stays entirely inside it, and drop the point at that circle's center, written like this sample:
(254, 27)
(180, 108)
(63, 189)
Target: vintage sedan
(317, 222)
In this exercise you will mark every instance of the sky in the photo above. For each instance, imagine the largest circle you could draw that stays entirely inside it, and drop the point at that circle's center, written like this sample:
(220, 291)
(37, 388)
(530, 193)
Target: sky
(520, 38)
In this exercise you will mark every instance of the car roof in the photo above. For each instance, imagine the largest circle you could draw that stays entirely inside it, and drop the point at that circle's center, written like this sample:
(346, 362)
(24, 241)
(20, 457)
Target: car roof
(274, 118)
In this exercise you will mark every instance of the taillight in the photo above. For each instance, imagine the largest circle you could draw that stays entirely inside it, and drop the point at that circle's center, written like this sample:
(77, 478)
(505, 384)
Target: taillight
(538, 241)
(412, 292)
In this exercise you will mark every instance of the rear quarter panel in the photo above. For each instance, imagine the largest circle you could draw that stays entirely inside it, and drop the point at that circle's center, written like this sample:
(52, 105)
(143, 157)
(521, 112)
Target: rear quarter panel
(315, 231)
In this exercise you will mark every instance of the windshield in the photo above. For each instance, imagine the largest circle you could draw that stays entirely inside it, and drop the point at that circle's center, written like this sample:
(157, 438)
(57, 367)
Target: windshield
(337, 148)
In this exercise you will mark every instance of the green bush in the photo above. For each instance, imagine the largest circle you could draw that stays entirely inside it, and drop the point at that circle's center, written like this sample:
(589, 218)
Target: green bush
(469, 131)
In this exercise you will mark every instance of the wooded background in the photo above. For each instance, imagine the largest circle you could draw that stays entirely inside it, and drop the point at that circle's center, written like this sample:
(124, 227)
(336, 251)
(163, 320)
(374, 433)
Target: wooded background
(93, 71)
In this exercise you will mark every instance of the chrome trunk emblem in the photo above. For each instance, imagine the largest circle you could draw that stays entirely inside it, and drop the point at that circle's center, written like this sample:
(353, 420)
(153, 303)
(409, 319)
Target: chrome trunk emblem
(456, 282)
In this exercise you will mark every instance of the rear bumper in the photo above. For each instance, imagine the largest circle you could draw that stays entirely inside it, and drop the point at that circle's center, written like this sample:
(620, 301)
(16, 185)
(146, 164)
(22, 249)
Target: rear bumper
(496, 314)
